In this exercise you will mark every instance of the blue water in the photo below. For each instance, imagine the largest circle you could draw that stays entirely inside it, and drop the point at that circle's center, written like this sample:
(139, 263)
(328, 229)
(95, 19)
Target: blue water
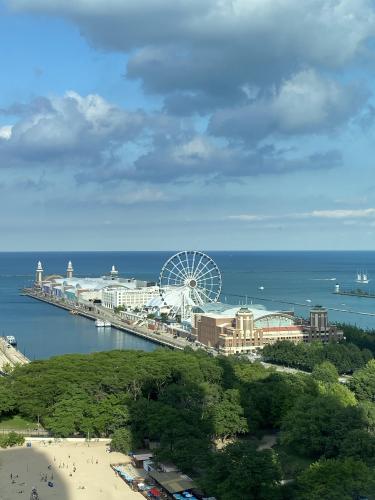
(43, 330)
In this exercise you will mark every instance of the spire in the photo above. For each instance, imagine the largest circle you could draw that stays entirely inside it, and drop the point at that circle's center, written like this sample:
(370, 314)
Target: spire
(39, 274)
(69, 270)
(114, 273)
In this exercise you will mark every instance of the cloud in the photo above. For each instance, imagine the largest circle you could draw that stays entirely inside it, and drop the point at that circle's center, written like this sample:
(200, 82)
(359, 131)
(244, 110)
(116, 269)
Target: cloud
(178, 158)
(6, 132)
(83, 130)
(217, 47)
(346, 215)
(306, 103)
(103, 143)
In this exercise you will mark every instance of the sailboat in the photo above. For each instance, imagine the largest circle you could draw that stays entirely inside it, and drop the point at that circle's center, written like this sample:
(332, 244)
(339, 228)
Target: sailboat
(362, 277)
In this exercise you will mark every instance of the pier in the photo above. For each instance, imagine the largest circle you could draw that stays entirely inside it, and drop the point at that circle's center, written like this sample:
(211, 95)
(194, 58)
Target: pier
(161, 338)
(10, 356)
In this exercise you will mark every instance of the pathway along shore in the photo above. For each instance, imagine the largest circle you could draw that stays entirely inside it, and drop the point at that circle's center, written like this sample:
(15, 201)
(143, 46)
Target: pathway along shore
(161, 338)
(9, 356)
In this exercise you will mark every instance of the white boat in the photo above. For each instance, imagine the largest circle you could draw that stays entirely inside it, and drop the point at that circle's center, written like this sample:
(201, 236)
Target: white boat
(107, 324)
(11, 340)
(99, 323)
(362, 277)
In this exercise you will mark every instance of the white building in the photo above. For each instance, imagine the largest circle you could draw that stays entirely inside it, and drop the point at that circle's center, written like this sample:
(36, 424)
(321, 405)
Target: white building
(130, 298)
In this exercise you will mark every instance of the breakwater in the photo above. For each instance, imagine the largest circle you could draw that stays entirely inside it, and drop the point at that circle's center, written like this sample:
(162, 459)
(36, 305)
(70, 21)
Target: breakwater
(162, 338)
(304, 305)
(356, 293)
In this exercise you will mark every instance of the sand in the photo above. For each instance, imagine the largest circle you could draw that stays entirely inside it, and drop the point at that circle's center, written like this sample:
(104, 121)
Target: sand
(91, 461)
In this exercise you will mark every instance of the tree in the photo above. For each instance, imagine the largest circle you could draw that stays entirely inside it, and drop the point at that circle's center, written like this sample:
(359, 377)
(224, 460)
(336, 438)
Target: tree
(363, 382)
(164, 317)
(359, 444)
(325, 372)
(342, 394)
(241, 472)
(316, 426)
(227, 416)
(7, 398)
(122, 440)
(11, 439)
(336, 479)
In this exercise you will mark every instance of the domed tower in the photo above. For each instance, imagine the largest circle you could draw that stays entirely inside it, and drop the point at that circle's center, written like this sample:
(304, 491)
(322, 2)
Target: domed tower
(244, 321)
(39, 274)
(113, 273)
(69, 270)
(319, 319)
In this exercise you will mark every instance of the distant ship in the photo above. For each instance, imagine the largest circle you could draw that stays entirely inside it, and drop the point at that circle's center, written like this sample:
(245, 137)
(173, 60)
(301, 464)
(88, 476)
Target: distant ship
(11, 340)
(362, 277)
(107, 324)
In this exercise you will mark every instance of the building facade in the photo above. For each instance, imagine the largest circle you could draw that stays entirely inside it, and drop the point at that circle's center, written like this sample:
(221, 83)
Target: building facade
(247, 329)
(130, 298)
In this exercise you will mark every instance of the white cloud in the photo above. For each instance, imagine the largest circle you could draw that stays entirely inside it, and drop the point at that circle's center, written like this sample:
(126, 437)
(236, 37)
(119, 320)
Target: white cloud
(367, 213)
(343, 214)
(6, 132)
(68, 129)
(250, 217)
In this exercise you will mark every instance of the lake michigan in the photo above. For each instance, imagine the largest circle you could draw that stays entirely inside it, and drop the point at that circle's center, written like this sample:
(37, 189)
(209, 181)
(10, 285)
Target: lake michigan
(306, 278)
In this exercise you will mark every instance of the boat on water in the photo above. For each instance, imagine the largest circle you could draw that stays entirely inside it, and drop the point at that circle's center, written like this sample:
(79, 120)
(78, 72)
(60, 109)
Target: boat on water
(362, 277)
(11, 340)
(107, 324)
(99, 323)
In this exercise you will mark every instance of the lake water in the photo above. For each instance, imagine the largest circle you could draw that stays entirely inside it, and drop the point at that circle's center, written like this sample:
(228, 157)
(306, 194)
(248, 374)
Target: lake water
(43, 330)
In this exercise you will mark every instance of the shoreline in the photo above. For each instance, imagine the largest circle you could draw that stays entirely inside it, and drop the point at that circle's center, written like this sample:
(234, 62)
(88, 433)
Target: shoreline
(160, 339)
(9, 355)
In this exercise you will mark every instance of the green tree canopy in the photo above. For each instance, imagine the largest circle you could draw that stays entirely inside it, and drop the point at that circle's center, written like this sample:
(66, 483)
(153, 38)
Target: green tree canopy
(363, 382)
(336, 479)
(325, 372)
(241, 472)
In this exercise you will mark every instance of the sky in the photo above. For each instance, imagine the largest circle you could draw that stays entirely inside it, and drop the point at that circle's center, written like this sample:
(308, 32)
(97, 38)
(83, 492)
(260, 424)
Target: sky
(182, 124)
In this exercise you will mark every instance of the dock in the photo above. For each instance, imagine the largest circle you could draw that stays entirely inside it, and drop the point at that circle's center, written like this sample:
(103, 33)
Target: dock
(10, 356)
(161, 338)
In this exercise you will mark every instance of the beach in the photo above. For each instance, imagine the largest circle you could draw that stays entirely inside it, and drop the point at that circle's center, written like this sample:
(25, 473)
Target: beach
(77, 470)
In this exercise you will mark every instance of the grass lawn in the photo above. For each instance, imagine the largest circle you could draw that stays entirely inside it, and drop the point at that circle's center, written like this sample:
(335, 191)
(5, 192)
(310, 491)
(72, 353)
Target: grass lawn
(17, 423)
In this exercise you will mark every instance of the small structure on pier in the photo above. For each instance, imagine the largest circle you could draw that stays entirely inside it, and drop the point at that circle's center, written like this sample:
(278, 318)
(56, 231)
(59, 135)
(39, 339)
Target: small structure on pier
(114, 273)
(69, 270)
(39, 274)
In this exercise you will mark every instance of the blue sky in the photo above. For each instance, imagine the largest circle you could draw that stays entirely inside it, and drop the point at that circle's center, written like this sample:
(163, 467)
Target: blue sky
(152, 124)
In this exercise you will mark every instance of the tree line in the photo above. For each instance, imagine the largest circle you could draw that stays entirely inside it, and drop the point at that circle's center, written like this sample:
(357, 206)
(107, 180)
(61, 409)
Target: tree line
(346, 357)
(207, 416)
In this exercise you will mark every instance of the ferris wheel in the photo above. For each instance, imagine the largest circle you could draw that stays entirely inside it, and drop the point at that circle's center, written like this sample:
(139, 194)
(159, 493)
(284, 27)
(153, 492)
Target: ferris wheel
(189, 279)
